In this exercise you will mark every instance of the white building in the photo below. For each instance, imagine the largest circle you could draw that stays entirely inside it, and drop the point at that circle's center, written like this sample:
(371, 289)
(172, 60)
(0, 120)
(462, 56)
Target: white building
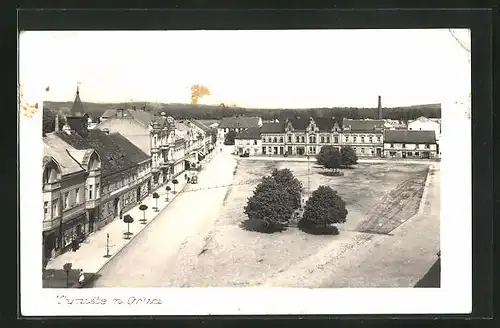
(425, 124)
(410, 144)
(249, 142)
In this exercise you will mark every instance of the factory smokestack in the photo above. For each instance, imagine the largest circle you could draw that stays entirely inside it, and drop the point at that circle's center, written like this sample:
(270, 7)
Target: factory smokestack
(379, 107)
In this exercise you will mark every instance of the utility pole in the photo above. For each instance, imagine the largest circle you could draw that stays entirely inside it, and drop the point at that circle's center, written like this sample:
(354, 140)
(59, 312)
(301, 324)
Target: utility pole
(107, 246)
(308, 177)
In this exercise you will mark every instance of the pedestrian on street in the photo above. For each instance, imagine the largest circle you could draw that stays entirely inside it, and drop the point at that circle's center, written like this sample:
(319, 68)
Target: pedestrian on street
(185, 176)
(121, 214)
(81, 278)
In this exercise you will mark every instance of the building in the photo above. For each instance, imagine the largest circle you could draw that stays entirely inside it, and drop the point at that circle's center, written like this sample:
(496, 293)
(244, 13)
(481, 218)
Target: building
(427, 124)
(206, 131)
(273, 138)
(71, 180)
(237, 124)
(248, 141)
(125, 169)
(152, 134)
(366, 137)
(410, 144)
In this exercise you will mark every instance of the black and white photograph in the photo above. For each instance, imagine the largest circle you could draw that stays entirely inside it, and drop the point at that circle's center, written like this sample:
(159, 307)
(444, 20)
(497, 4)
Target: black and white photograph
(242, 161)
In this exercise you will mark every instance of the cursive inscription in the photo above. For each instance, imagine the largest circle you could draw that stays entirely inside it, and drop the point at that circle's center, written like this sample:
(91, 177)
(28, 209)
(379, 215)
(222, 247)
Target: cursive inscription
(98, 300)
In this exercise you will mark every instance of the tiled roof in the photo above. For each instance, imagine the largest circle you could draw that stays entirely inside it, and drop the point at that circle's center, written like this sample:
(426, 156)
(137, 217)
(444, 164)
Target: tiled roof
(116, 152)
(299, 123)
(405, 136)
(131, 129)
(82, 156)
(272, 128)
(239, 122)
(143, 117)
(362, 125)
(109, 113)
(324, 124)
(57, 149)
(250, 133)
(201, 126)
(77, 109)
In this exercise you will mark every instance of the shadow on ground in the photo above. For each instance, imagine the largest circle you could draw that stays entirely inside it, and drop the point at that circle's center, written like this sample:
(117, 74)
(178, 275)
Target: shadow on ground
(432, 279)
(259, 226)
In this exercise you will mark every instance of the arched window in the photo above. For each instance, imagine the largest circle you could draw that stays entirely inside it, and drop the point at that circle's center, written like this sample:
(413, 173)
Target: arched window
(50, 174)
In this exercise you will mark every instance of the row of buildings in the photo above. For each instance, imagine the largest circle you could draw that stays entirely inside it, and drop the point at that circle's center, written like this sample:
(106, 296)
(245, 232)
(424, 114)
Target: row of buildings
(94, 173)
(306, 136)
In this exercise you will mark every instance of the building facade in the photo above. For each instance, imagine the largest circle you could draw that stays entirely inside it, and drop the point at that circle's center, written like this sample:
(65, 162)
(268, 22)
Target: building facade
(410, 144)
(366, 137)
(236, 124)
(248, 142)
(69, 176)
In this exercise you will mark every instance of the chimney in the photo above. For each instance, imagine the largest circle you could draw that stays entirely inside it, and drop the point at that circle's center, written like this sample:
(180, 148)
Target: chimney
(56, 128)
(379, 107)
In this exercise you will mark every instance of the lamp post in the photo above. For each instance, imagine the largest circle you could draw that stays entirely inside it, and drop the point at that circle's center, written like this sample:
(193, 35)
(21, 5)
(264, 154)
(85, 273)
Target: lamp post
(107, 246)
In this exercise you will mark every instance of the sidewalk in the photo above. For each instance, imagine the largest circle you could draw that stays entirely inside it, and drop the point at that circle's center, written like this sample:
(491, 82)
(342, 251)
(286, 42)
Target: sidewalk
(90, 256)
(361, 160)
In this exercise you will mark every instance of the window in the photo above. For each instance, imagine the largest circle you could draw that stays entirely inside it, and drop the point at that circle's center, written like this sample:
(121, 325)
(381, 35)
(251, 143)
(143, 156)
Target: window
(97, 190)
(409, 153)
(289, 138)
(297, 139)
(310, 139)
(66, 200)
(427, 146)
(55, 208)
(362, 139)
(264, 150)
(90, 191)
(302, 139)
(45, 207)
(378, 139)
(275, 139)
(281, 139)
(263, 139)
(322, 139)
(314, 139)
(336, 140)
(392, 153)
(416, 153)
(77, 195)
(371, 139)
(404, 145)
(392, 145)
(269, 139)
(57, 243)
(362, 150)
(255, 142)
(354, 139)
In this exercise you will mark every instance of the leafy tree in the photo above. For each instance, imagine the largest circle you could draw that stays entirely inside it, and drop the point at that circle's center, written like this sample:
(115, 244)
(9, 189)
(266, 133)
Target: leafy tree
(324, 154)
(349, 156)
(333, 160)
(325, 207)
(290, 183)
(143, 208)
(156, 196)
(174, 182)
(128, 220)
(167, 188)
(213, 134)
(229, 137)
(271, 204)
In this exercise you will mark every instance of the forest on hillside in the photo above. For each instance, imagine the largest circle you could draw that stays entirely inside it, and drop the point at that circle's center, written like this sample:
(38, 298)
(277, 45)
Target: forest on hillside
(183, 111)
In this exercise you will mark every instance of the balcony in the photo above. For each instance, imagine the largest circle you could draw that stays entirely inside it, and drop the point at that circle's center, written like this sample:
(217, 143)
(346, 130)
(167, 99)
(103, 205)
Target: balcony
(51, 224)
(92, 203)
(49, 187)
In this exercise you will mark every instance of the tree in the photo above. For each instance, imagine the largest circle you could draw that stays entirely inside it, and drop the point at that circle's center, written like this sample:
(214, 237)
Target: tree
(128, 220)
(143, 208)
(174, 182)
(325, 207)
(67, 268)
(213, 135)
(348, 156)
(156, 196)
(323, 154)
(229, 138)
(290, 183)
(270, 204)
(167, 188)
(333, 160)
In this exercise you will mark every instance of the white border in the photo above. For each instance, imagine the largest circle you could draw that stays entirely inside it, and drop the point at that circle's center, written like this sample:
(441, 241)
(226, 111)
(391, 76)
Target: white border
(454, 296)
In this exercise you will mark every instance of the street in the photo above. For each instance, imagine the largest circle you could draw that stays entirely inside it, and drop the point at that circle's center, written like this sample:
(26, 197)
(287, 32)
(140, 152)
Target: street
(151, 257)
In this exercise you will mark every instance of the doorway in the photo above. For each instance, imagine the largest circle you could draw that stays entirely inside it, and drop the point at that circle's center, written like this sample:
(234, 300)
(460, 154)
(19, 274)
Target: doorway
(300, 151)
(281, 150)
(91, 220)
(138, 194)
(116, 207)
(403, 154)
(379, 152)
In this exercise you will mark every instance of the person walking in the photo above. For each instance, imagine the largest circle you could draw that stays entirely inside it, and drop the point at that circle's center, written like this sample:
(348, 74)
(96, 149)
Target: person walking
(81, 278)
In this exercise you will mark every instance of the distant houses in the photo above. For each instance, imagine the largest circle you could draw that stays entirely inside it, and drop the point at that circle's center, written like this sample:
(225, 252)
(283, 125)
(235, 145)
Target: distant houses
(236, 124)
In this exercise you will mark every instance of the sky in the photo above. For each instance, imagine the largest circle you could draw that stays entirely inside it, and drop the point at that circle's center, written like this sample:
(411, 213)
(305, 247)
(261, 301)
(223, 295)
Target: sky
(258, 69)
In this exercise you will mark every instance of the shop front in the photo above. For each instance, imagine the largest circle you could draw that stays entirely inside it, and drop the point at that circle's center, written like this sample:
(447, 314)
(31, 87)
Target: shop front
(72, 228)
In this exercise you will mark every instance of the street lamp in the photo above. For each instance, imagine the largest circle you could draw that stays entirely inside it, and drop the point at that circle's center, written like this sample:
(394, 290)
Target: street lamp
(107, 246)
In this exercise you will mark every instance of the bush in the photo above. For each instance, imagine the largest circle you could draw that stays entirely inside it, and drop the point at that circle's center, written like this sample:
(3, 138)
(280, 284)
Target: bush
(325, 207)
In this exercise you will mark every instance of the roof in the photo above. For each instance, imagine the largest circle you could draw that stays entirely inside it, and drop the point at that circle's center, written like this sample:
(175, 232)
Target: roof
(299, 123)
(131, 129)
(116, 152)
(109, 113)
(57, 149)
(249, 134)
(362, 125)
(272, 128)
(143, 117)
(405, 136)
(82, 156)
(324, 124)
(200, 125)
(238, 122)
(182, 126)
(77, 109)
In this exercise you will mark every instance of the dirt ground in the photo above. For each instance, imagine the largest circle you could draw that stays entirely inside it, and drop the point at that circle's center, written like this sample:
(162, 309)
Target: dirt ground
(379, 198)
